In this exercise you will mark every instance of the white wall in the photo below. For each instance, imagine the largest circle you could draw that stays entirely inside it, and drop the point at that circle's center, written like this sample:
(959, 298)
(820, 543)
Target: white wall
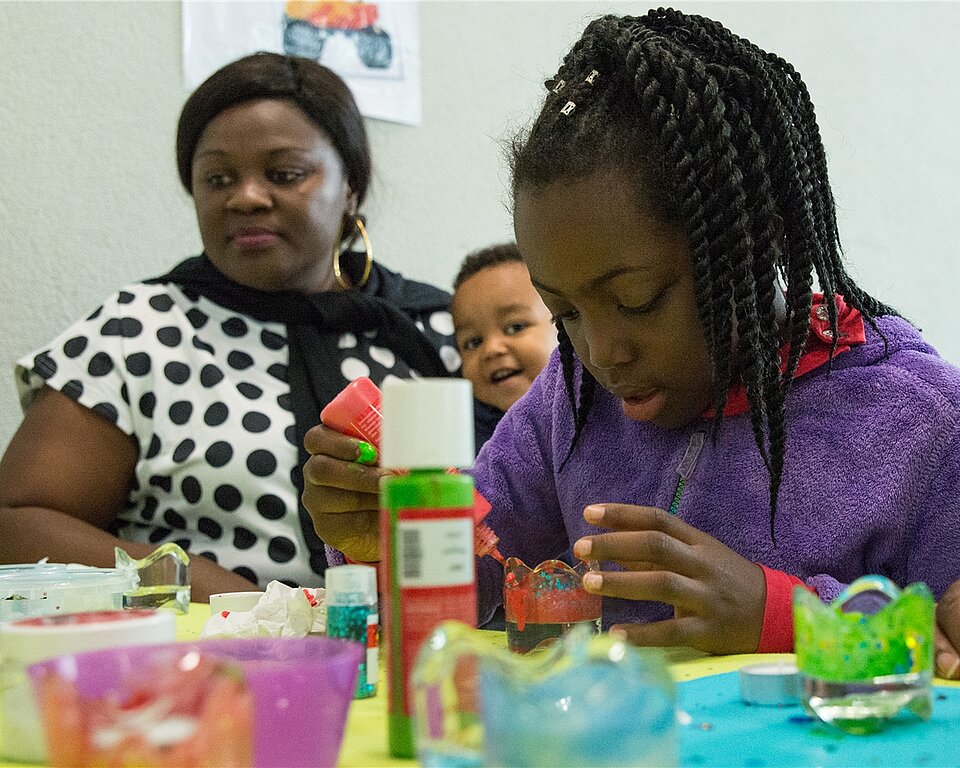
(90, 93)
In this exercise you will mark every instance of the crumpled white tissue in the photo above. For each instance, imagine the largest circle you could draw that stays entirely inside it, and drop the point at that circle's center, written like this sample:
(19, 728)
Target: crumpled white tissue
(281, 611)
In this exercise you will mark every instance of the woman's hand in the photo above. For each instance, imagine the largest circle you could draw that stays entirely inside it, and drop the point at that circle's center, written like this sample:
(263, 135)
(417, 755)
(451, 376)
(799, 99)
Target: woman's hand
(341, 495)
(948, 633)
(717, 595)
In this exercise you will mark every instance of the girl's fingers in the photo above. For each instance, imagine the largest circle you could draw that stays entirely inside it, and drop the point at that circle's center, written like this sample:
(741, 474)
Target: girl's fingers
(663, 586)
(321, 440)
(948, 633)
(947, 660)
(655, 549)
(626, 517)
(322, 470)
(326, 500)
(356, 534)
(660, 634)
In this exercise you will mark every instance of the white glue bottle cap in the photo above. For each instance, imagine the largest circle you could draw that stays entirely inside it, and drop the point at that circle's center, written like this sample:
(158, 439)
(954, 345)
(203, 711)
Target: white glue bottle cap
(427, 424)
(351, 585)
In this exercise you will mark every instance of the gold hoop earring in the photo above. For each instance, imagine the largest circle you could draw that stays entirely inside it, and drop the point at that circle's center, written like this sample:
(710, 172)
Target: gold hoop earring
(367, 248)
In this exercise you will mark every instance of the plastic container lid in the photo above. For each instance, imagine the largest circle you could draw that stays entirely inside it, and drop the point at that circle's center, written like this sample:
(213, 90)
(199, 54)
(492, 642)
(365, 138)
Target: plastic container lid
(351, 585)
(44, 588)
(42, 637)
(427, 424)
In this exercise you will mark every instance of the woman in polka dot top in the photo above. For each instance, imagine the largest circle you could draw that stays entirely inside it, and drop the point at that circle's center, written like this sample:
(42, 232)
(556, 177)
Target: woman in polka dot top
(176, 411)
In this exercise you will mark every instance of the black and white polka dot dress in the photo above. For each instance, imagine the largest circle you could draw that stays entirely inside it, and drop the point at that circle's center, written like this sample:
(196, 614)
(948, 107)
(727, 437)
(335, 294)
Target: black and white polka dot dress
(204, 391)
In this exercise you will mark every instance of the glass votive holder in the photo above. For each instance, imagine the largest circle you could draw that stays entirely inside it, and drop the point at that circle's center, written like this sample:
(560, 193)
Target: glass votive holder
(162, 578)
(543, 603)
(587, 700)
(868, 655)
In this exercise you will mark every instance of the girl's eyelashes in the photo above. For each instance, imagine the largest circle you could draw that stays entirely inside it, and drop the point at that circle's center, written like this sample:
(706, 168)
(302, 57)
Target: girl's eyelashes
(643, 309)
(571, 315)
(566, 317)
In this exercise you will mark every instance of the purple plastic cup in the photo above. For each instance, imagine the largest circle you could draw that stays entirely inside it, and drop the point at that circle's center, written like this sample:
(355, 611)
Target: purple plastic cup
(301, 688)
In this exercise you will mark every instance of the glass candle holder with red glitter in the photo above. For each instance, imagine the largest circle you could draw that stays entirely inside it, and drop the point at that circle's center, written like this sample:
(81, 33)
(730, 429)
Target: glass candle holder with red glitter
(543, 603)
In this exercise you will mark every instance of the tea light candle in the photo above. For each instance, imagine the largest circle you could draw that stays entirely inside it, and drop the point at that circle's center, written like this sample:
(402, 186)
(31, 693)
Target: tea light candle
(775, 684)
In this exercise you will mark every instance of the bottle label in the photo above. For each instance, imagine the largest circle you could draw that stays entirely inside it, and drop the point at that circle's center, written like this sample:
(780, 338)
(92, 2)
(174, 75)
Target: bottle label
(434, 553)
(373, 666)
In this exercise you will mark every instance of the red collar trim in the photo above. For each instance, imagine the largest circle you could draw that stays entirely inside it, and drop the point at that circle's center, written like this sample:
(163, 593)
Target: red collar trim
(817, 351)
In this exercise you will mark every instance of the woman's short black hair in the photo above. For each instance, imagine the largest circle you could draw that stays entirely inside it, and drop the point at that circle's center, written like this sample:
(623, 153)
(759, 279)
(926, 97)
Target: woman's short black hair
(318, 91)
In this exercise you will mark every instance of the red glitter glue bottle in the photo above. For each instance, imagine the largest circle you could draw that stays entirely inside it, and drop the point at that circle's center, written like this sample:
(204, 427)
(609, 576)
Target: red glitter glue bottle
(357, 412)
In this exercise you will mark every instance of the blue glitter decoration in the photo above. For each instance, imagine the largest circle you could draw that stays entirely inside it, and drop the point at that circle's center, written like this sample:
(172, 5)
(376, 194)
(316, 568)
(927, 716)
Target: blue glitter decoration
(350, 622)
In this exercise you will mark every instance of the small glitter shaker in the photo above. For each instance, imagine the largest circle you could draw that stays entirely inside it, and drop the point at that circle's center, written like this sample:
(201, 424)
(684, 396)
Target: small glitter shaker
(351, 598)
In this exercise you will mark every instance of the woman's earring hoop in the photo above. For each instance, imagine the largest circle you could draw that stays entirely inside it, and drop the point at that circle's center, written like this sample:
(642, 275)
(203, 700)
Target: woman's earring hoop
(367, 248)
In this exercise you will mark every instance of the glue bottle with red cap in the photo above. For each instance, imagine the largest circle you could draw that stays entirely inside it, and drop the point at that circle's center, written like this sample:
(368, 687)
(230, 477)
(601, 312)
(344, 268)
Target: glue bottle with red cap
(357, 412)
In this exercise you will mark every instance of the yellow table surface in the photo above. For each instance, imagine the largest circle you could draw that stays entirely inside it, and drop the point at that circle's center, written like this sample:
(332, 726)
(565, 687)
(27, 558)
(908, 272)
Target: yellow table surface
(365, 741)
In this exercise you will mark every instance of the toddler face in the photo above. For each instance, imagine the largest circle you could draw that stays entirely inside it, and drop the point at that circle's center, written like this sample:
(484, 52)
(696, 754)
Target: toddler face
(503, 332)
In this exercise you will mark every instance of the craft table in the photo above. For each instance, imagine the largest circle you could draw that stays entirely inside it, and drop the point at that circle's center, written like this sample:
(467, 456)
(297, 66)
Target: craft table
(717, 728)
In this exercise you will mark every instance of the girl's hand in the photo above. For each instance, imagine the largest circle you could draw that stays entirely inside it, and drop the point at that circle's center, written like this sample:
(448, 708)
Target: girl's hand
(341, 495)
(717, 595)
(948, 633)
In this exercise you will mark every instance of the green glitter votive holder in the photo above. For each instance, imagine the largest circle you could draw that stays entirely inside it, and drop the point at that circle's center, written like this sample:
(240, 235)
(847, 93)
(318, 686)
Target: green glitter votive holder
(867, 656)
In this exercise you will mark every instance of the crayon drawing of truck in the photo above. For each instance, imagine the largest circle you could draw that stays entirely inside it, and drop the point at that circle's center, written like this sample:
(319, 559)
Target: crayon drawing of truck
(308, 25)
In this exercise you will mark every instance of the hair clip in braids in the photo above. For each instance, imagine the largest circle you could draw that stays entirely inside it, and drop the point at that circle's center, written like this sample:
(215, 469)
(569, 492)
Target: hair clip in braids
(568, 108)
(591, 77)
(558, 86)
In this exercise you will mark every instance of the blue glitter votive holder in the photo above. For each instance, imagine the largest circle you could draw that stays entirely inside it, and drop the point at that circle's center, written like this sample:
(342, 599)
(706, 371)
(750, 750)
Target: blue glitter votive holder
(351, 595)
(586, 700)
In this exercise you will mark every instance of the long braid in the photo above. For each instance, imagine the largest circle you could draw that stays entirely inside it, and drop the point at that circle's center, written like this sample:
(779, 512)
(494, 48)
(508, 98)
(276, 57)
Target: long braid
(721, 137)
(588, 386)
(665, 121)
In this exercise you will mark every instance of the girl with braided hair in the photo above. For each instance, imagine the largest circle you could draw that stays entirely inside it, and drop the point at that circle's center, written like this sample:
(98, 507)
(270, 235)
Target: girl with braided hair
(711, 429)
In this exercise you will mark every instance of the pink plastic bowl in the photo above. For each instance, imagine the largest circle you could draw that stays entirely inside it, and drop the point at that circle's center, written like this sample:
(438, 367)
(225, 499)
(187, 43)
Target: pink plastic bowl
(300, 690)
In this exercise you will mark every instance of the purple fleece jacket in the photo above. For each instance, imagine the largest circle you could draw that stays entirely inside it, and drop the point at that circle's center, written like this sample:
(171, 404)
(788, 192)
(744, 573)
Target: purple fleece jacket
(871, 482)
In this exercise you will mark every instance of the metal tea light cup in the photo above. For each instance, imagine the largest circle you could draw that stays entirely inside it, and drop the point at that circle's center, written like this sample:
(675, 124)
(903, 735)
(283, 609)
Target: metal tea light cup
(544, 603)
